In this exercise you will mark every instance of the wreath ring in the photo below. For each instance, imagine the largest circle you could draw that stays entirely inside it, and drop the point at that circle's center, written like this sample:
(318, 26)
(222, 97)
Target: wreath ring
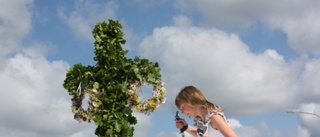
(149, 105)
(80, 114)
(134, 101)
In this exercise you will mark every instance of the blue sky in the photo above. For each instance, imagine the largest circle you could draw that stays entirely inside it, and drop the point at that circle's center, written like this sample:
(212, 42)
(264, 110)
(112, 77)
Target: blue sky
(253, 58)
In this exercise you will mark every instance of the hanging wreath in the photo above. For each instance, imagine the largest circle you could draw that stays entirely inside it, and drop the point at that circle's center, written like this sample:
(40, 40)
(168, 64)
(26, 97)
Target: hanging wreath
(149, 105)
(80, 114)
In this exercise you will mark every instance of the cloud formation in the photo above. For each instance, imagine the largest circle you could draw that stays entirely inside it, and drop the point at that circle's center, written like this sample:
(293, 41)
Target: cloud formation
(223, 67)
(32, 97)
(85, 15)
(14, 26)
(297, 19)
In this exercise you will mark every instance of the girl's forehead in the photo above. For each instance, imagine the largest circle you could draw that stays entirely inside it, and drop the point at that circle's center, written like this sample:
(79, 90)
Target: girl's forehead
(184, 104)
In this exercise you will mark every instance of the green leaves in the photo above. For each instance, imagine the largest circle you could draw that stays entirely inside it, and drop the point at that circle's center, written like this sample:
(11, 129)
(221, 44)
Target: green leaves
(108, 80)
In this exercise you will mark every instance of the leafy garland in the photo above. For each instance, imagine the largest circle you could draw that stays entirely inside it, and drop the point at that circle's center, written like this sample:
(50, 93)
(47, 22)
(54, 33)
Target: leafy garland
(149, 105)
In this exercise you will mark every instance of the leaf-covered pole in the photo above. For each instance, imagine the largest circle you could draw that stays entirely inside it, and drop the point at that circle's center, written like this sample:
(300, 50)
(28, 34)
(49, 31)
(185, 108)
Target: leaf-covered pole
(107, 82)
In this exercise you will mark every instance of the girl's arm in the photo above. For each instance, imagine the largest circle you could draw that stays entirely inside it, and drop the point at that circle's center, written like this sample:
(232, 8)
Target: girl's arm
(193, 131)
(221, 125)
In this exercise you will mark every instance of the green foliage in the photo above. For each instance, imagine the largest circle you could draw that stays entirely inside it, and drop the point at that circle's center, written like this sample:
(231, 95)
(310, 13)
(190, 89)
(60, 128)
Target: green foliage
(107, 81)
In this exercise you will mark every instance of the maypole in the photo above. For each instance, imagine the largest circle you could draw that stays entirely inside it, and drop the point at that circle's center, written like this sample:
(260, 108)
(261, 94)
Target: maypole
(113, 85)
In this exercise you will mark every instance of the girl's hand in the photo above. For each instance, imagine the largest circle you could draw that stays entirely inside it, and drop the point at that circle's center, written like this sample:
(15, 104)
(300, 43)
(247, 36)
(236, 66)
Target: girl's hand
(180, 123)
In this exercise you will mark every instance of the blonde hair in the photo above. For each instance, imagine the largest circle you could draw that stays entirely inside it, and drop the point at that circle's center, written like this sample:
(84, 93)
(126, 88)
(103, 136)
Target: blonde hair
(194, 96)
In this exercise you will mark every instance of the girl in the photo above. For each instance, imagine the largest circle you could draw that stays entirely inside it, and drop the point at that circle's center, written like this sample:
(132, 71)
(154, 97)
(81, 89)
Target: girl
(209, 118)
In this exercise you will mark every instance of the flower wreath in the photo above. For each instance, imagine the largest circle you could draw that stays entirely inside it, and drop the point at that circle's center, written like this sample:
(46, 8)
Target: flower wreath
(149, 105)
(146, 107)
(80, 114)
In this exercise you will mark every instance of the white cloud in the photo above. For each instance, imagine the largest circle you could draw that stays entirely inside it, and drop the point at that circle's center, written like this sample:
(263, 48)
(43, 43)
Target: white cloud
(231, 75)
(245, 131)
(85, 16)
(310, 78)
(298, 19)
(33, 101)
(13, 26)
(144, 126)
(262, 129)
(33, 98)
(302, 31)
(10, 132)
(302, 132)
(310, 122)
(222, 67)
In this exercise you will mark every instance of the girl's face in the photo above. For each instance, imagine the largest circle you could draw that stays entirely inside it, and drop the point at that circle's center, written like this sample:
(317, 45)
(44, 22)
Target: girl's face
(188, 109)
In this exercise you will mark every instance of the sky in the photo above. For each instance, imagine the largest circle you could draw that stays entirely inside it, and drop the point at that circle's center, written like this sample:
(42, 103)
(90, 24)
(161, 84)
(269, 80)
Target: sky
(254, 58)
